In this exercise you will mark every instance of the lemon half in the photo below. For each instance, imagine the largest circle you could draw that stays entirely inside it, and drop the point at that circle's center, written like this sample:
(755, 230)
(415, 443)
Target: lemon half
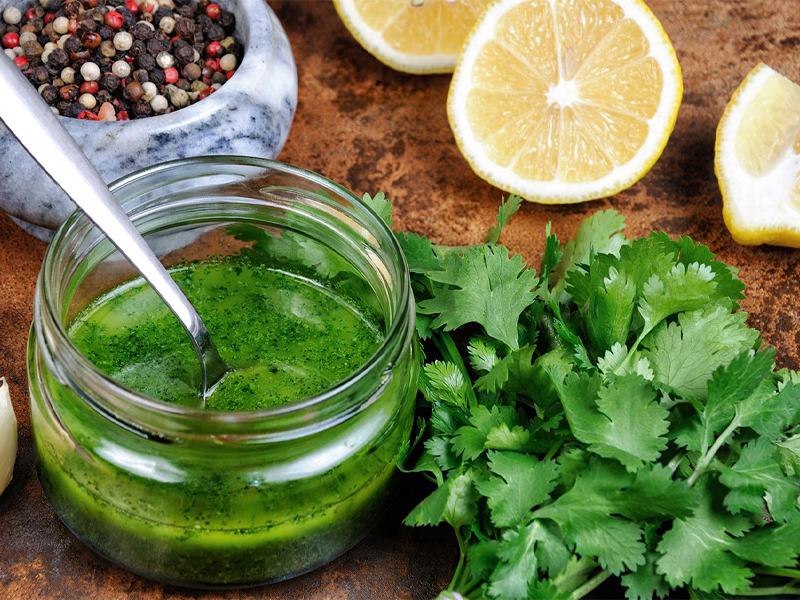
(415, 36)
(758, 160)
(563, 101)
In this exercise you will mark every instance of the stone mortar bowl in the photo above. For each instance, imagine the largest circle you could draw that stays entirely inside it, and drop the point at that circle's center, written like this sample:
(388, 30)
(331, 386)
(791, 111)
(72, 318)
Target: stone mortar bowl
(249, 115)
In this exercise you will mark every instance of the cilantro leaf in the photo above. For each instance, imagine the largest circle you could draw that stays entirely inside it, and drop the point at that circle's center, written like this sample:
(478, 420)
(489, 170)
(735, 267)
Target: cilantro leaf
(623, 420)
(470, 441)
(645, 582)
(381, 205)
(519, 483)
(444, 382)
(698, 550)
(684, 354)
(772, 545)
(482, 286)
(757, 479)
(608, 317)
(454, 502)
(419, 253)
(507, 210)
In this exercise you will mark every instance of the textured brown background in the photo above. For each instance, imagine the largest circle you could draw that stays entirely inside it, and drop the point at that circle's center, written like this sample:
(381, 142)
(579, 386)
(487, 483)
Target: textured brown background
(372, 129)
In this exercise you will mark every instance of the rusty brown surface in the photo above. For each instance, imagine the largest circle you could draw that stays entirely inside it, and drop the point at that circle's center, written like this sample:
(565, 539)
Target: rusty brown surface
(372, 129)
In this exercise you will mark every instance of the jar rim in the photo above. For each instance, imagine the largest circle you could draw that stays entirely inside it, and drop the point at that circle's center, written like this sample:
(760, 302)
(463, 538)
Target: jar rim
(401, 327)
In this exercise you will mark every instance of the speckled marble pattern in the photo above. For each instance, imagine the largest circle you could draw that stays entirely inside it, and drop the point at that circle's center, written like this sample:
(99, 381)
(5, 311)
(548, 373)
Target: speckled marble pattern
(250, 115)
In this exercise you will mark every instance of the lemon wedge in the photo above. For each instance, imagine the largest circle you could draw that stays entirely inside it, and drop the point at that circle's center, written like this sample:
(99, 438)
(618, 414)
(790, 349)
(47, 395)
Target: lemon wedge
(757, 160)
(8, 436)
(563, 101)
(414, 36)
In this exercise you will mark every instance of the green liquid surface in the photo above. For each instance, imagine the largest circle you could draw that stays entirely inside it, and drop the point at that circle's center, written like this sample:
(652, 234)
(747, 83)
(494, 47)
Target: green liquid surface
(285, 336)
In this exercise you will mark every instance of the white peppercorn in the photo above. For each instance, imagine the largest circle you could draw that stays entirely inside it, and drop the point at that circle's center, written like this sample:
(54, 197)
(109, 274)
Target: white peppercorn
(121, 69)
(227, 62)
(167, 25)
(26, 36)
(88, 101)
(46, 55)
(123, 41)
(159, 103)
(150, 91)
(68, 75)
(165, 60)
(12, 15)
(90, 71)
(62, 39)
(61, 25)
(9, 52)
(55, 110)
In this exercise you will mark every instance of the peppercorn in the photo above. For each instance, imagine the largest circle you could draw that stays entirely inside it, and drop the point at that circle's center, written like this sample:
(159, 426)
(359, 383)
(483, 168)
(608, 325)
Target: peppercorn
(185, 29)
(121, 69)
(141, 110)
(63, 105)
(105, 64)
(90, 71)
(156, 47)
(11, 40)
(114, 20)
(107, 49)
(50, 94)
(39, 75)
(142, 31)
(103, 96)
(145, 61)
(167, 25)
(150, 91)
(107, 112)
(226, 20)
(206, 93)
(215, 32)
(141, 75)
(91, 39)
(188, 10)
(128, 16)
(218, 77)
(109, 82)
(184, 53)
(57, 60)
(106, 32)
(133, 91)
(138, 48)
(12, 15)
(157, 76)
(74, 110)
(204, 22)
(69, 92)
(192, 71)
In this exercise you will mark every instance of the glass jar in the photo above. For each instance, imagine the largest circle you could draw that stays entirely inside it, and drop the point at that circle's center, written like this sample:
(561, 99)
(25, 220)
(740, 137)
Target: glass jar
(211, 498)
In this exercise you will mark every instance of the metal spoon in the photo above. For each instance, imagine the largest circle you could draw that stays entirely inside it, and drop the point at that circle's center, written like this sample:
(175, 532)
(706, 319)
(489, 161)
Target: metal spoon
(40, 132)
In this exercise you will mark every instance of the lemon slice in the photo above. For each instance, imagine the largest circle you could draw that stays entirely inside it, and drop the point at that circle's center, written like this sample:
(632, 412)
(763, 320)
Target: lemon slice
(758, 160)
(563, 101)
(415, 36)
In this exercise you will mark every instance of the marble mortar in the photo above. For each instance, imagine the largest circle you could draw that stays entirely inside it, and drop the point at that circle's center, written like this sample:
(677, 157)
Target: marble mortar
(250, 115)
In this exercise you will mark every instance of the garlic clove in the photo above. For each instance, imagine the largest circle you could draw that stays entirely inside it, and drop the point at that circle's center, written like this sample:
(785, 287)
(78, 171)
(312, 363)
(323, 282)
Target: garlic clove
(8, 436)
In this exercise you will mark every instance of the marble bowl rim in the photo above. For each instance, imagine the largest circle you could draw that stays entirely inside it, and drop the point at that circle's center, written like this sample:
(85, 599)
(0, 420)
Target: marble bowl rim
(188, 113)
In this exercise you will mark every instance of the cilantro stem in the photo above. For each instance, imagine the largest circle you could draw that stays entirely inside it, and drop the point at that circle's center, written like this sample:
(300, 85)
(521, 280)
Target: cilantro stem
(553, 450)
(676, 461)
(590, 585)
(461, 561)
(771, 591)
(792, 573)
(708, 456)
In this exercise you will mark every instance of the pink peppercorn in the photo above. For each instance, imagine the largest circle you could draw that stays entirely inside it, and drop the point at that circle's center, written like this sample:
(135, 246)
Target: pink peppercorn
(123, 115)
(171, 75)
(206, 93)
(73, 26)
(88, 115)
(212, 64)
(31, 14)
(11, 40)
(229, 74)
(132, 6)
(212, 10)
(114, 19)
(49, 18)
(213, 49)
(89, 87)
(21, 62)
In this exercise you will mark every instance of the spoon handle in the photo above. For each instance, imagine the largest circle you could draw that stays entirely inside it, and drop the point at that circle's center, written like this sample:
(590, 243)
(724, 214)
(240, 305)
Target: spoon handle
(41, 133)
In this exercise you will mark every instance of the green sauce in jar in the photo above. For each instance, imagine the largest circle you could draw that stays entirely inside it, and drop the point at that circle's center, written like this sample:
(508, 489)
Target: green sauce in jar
(285, 336)
(292, 459)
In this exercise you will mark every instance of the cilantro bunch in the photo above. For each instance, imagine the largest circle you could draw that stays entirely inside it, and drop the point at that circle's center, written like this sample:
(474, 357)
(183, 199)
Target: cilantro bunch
(609, 417)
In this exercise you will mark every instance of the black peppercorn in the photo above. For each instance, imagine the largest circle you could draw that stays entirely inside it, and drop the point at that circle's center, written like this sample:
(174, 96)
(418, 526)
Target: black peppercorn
(162, 12)
(128, 18)
(155, 46)
(141, 110)
(215, 32)
(105, 64)
(142, 31)
(185, 85)
(109, 82)
(184, 53)
(50, 94)
(57, 60)
(73, 110)
(39, 75)
(141, 76)
(63, 105)
(204, 22)
(185, 29)
(226, 20)
(103, 96)
(138, 48)
(188, 10)
(146, 62)
(157, 76)
(106, 33)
